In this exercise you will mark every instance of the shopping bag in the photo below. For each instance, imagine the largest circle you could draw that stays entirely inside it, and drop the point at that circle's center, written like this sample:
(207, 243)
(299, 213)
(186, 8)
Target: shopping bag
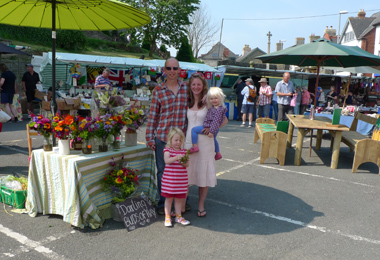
(4, 117)
(293, 102)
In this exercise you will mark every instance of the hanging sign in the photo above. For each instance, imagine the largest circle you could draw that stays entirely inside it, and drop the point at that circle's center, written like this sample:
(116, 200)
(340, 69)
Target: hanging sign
(208, 75)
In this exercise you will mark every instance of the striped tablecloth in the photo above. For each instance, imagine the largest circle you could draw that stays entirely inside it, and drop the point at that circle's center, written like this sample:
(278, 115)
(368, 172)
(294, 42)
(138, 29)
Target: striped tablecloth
(70, 185)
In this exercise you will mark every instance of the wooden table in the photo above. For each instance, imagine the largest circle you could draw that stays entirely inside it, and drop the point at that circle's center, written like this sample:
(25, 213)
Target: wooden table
(305, 125)
(71, 185)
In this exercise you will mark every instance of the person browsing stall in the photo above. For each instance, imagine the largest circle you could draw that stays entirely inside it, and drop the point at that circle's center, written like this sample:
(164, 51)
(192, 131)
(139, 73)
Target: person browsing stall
(284, 90)
(103, 82)
(29, 81)
(248, 106)
(265, 98)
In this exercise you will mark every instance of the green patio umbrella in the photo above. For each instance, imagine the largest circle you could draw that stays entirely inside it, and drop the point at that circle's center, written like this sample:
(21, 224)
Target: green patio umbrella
(86, 15)
(322, 52)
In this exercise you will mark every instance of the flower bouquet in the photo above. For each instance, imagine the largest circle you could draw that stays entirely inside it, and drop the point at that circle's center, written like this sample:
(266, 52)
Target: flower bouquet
(121, 180)
(103, 128)
(107, 100)
(62, 129)
(134, 117)
(86, 127)
(43, 126)
(117, 125)
(74, 133)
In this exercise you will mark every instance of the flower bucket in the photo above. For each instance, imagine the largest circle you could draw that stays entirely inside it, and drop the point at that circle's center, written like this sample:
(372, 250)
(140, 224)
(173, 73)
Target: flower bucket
(86, 147)
(103, 145)
(64, 147)
(77, 145)
(115, 213)
(130, 138)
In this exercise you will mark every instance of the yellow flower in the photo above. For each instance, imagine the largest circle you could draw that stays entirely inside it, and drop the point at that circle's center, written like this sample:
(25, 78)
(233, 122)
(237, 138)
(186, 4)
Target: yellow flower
(119, 173)
(141, 112)
(128, 122)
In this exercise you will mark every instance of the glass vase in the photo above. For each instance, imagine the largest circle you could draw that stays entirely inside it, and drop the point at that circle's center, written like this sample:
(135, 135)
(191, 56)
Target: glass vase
(130, 137)
(116, 141)
(77, 144)
(86, 146)
(103, 145)
(48, 143)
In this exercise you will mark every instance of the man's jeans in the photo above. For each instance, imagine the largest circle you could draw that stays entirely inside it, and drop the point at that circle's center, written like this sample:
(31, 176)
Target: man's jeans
(160, 163)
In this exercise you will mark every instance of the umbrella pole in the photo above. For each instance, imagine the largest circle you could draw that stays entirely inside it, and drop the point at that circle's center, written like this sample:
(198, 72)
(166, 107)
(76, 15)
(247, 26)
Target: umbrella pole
(348, 86)
(315, 104)
(53, 37)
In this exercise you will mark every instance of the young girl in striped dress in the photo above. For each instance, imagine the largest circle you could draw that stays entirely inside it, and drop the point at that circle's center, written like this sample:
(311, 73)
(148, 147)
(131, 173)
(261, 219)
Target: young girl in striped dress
(174, 180)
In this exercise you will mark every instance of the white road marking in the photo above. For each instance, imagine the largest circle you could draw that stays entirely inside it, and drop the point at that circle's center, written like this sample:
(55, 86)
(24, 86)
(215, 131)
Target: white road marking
(316, 176)
(242, 164)
(223, 137)
(31, 244)
(296, 222)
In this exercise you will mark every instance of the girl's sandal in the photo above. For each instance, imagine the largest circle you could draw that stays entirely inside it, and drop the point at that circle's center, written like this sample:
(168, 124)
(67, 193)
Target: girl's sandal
(201, 213)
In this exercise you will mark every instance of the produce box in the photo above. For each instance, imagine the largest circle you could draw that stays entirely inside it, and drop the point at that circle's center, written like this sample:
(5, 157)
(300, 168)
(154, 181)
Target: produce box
(39, 95)
(46, 105)
(14, 198)
(69, 103)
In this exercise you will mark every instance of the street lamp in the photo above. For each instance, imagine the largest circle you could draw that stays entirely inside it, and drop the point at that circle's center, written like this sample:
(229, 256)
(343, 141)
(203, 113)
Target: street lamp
(341, 12)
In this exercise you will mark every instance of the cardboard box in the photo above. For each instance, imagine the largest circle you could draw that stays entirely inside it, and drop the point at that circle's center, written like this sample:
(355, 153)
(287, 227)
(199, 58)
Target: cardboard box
(50, 94)
(46, 105)
(39, 95)
(69, 103)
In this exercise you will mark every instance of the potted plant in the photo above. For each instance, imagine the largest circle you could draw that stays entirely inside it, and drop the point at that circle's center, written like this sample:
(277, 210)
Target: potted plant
(103, 128)
(86, 127)
(117, 126)
(74, 134)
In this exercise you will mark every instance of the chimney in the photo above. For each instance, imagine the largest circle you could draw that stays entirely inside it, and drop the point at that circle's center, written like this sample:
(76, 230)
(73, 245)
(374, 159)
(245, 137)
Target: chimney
(330, 31)
(361, 13)
(279, 46)
(300, 40)
(246, 49)
(313, 37)
(226, 53)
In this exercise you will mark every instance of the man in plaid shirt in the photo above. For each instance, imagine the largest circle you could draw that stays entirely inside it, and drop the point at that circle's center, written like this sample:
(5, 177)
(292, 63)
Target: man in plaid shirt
(265, 98)
(168, 109)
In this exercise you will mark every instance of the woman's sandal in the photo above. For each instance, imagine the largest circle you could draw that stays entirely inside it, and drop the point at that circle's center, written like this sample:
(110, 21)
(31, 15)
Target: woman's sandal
(201, 214)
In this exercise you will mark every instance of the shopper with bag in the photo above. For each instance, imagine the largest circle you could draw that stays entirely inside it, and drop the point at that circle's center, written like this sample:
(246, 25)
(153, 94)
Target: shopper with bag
(8, 89)
(248, 107)
(306, 99)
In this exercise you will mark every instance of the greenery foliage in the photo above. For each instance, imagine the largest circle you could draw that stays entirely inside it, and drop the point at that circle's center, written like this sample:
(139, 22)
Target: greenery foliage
(185, 53)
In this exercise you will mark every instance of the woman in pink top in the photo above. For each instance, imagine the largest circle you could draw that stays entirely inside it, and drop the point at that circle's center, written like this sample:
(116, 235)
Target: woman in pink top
(306, 99)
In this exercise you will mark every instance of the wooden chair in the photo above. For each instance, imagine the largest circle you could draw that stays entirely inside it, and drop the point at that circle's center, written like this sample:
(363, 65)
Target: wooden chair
(29, 134)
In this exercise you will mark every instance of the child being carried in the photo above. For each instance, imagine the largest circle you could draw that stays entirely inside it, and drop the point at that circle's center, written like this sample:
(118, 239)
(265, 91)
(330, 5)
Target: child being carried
(214, 119)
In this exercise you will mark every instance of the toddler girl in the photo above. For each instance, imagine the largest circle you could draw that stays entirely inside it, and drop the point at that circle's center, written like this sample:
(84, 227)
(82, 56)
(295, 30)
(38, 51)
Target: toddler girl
(213, 120)
(174, 180)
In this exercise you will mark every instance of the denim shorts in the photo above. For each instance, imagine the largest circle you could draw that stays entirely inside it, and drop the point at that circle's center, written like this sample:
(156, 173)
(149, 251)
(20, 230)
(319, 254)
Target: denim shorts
(247, 108)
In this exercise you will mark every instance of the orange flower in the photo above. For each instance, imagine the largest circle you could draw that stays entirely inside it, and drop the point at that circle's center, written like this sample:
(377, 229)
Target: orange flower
(47, 126)
(58, 128)
(73, 128)
(69, 120)
(108, 122)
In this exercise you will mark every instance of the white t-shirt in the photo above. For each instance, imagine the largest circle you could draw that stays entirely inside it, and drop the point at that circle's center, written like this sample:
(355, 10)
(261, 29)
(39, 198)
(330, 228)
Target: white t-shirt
(245, 93)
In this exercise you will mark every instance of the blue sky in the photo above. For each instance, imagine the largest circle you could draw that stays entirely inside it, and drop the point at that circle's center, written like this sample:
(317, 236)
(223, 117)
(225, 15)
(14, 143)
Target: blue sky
(253, 33)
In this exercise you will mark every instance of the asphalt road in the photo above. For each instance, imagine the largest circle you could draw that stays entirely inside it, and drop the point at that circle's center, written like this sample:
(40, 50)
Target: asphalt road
(257, 211)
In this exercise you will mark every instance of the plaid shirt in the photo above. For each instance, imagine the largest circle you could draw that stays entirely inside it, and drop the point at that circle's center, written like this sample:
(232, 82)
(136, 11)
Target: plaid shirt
(166, 111)
(265, 100)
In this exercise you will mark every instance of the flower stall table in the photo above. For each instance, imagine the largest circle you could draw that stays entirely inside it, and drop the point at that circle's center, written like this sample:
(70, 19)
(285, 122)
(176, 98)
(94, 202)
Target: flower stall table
(70, 185)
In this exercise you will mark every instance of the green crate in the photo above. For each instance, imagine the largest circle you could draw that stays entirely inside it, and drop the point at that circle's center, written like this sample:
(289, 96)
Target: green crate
(14, 198)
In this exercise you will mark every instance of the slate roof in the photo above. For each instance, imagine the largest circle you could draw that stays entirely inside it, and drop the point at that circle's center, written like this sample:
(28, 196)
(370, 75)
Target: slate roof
(243, 57)
(215, 50)
(373, 24)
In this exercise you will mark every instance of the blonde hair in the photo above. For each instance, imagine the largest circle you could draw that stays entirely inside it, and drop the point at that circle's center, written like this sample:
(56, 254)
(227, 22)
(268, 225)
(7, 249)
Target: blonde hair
(172, 132)
(215, 92)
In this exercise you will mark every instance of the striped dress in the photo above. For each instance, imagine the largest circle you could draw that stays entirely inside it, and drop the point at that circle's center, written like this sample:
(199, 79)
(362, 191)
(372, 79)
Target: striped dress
(174, 180)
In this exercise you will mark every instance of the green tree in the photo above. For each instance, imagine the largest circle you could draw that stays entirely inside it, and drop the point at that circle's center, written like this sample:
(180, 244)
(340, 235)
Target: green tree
(185, 53)
(169, 18)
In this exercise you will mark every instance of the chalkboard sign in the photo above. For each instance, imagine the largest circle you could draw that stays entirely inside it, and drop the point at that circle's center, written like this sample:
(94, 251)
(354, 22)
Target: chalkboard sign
(136, 212)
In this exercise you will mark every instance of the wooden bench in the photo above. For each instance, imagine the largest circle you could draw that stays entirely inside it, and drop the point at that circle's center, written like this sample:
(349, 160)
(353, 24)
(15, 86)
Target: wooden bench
(273, 142)
(366, 149)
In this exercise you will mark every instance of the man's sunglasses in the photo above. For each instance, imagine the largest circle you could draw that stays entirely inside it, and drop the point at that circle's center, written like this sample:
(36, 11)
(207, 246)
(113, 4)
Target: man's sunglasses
(171, 68)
